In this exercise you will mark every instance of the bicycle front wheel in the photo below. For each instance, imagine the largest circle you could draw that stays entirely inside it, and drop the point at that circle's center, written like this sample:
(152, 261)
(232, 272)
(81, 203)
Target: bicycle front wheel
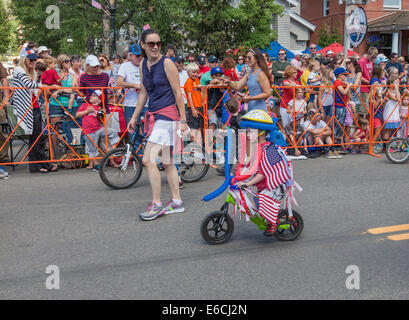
(117, 174)
(397, 150)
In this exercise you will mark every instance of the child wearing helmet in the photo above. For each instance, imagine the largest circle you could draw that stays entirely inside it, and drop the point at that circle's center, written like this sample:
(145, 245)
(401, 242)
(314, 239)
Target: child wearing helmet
(274, 170)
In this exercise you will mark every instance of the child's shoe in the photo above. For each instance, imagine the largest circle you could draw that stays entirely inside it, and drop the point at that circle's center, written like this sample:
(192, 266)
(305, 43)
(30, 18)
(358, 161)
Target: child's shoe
(271, 229)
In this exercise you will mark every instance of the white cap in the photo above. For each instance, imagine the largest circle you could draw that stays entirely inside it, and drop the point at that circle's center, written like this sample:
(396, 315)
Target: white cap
(92, 61)
(330, 52)
(98, 92)
(43, 48)
(297, 53)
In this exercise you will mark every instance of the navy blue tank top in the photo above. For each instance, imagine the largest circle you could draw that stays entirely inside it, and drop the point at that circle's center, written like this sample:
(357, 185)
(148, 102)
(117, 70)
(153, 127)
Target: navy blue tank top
(158, 87)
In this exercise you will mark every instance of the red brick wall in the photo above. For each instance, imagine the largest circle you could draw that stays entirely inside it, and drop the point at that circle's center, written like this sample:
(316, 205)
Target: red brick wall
(313, 11)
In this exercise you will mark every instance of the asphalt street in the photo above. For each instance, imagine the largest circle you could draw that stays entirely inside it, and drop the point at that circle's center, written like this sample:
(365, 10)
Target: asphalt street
(102, 249)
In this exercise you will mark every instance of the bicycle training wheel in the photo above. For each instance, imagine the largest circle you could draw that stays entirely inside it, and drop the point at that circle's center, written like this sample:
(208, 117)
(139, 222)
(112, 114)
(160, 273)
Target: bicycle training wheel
(217, 228)
(118, 175)
(192, 165)
(288, 228)
(397, 150)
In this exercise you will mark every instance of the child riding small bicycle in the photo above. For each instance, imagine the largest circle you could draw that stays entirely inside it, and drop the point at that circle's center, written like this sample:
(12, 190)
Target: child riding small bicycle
(274, 171)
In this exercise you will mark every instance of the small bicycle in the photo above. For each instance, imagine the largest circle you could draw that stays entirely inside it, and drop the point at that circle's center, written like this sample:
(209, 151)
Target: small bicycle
(397, 150)
(122, 167)
(218, 226)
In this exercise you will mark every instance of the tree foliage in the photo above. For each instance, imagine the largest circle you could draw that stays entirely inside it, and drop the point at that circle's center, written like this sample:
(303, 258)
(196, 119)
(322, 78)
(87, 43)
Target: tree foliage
(215, 26)
(326, 38)
(211, 26)
(5, 28)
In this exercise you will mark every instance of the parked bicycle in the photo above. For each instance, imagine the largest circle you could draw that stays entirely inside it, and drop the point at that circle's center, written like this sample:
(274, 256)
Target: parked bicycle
(122, 167)
(397, 150)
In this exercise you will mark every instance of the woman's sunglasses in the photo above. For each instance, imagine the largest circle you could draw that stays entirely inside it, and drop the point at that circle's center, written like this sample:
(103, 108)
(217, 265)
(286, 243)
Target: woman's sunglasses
(32, 60)
(67, 61)
(152, 44)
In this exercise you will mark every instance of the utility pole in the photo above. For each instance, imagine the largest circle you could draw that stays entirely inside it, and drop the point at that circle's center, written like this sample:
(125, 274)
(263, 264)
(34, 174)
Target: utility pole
(112, 11)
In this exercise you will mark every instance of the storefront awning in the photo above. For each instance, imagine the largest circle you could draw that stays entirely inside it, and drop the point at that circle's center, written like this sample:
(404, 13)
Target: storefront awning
(394, 22)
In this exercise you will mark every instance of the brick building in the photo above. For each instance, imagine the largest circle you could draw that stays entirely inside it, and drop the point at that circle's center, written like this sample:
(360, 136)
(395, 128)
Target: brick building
(388, 23)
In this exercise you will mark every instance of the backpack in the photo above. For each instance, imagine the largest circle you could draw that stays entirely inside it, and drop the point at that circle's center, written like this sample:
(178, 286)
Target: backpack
(73, 164)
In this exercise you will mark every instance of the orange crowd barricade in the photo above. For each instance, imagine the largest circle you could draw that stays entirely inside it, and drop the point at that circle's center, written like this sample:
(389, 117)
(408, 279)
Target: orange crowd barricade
(334, 130)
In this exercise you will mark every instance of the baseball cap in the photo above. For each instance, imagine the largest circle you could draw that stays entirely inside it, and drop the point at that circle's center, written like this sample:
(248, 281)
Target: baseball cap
(339, 71)
(212, 59)
(28, 53)
(201, 60)
(381, 58)
(216, 70)
(135, 49)
(43, 48)
(92, 60)
(97, 92)
(179, 58)
(330, 52)
(297, 53)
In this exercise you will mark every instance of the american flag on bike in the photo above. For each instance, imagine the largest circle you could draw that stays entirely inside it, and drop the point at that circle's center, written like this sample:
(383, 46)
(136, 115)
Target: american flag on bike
(277, 171)
(268, 207)
(274, 167)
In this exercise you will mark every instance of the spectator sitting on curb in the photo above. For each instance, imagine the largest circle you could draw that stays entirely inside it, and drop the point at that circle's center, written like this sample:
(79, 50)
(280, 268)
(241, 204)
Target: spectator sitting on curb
(294, 136)
(319, 132)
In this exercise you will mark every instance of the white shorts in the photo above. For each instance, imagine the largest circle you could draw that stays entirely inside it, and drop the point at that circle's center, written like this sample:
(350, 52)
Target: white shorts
(163, 133)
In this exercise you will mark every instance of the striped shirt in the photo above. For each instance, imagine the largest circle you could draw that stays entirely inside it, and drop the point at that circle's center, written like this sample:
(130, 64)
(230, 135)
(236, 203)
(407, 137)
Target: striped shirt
(23, 98)
(99, 80)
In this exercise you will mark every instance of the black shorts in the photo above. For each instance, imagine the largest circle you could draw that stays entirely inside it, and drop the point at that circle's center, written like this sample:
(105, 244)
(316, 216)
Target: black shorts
(195, 123)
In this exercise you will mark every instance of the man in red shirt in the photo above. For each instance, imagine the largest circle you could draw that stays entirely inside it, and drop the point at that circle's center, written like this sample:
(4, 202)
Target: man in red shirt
(366, 63)
(203, 67)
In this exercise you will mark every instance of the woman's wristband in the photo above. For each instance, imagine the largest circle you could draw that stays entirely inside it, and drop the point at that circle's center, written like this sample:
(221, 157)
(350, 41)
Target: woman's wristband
(183, 121)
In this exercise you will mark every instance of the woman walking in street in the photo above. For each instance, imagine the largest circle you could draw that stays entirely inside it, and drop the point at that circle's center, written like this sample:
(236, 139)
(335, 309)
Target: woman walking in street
(166, 110)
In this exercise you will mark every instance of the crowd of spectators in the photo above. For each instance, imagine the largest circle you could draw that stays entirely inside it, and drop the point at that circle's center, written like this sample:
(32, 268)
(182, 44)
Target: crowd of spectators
(314, 94)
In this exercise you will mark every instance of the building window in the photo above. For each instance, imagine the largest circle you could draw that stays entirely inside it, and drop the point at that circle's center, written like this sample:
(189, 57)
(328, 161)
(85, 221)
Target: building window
(392, 4)
(326, 8)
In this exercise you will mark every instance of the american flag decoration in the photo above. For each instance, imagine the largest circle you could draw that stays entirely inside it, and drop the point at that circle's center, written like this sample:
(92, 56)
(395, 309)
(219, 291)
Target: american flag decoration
(146, 27)
(268, 207)
(274, 167)
(277, 171)
(96, 4)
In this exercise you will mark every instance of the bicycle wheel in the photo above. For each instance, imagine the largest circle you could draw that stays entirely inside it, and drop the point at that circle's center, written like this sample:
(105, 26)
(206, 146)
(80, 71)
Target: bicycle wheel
(288, 228)
(192, 165)
(217, 228)
(117, 175)
(397, 150)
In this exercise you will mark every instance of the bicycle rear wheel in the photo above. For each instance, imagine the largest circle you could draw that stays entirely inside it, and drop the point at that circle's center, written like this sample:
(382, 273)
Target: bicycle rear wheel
(119, 175)
(192, 165)
(397, 150)
(289, 228)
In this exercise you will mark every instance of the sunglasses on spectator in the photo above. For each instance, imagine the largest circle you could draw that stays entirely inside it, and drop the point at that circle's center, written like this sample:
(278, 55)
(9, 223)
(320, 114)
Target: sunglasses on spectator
(33, 60)
(152, 44)
(313, 48)
(240, 59)
(67, 61)
(282, 54)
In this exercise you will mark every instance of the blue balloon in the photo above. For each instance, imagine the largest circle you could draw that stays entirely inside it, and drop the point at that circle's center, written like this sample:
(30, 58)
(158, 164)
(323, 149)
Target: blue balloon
(227, 176)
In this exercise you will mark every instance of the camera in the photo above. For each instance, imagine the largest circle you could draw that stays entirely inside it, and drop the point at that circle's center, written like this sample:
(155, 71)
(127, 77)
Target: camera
(100, 114)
